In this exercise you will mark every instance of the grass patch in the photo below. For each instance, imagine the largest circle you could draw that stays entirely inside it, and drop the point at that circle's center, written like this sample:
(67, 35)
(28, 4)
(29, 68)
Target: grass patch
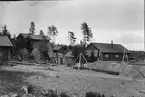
(11, 81)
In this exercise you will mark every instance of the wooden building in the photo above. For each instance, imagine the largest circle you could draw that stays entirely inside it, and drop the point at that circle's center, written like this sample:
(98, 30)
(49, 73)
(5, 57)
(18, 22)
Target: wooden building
(107, 52)
(59, 52)
(5, 47)
(69, 58)
(36, 40)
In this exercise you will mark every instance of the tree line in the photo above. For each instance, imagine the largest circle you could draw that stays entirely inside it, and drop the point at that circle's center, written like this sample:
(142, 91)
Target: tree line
(52, 32)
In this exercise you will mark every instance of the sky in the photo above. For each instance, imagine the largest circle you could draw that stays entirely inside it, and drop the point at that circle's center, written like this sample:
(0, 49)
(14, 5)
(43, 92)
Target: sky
(119, 20)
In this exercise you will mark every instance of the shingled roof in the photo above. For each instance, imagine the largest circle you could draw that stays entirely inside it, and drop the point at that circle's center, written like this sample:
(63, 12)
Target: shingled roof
(110, 48)
(4, 41)
(57, 48)
(69, 54)
(35, 37)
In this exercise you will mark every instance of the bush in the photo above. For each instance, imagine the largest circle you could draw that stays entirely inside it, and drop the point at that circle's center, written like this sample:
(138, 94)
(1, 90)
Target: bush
(30, 88)
(94, 94)
(90, 94)
(64, 94)
(50, 93)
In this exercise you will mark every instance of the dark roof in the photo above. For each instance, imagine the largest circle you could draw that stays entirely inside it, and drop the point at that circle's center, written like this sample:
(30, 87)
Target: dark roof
(53, 55)
(4, 41)
(69, 54)
(35, 37)
(110, 48)
(57, 48)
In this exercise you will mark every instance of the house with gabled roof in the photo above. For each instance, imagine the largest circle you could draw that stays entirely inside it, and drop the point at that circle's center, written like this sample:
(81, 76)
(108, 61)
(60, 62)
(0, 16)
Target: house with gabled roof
(35, 39)
(5, 47)
(107, 51)
(23, 39)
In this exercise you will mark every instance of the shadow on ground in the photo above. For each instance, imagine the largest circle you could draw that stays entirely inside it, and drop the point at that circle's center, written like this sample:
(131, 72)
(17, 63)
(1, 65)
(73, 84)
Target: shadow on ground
(98, 70)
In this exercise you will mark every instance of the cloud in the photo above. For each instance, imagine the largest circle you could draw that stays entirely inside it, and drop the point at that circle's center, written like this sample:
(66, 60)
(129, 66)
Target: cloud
(130, 38)
(48, 3)
(106, 18)
(2, 9)
(131, 41)
(114, 14)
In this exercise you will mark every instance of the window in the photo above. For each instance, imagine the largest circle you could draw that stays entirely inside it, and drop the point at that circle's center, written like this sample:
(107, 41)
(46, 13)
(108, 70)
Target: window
(106, 56)
(117, 56)
(95, 53)
(88, 53)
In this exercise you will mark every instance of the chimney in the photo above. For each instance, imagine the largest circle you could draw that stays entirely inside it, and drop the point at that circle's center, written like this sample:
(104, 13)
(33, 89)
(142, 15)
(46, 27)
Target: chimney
(112, 43)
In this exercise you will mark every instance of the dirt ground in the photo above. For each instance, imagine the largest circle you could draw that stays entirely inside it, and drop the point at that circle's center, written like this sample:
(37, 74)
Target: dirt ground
(61, 78)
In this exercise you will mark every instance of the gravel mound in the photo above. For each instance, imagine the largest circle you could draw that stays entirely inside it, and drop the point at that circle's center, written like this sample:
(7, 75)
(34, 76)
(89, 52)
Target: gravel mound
(134, 71)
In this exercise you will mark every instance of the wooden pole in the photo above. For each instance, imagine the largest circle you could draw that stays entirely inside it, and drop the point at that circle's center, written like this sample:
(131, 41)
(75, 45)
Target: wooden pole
(126, 58)
(84, 58)
(144, 44)
(86, 61)
(79, 62)
(102, 56)
(9, 54)
(99, 56)
(76, 59)
(123, 56)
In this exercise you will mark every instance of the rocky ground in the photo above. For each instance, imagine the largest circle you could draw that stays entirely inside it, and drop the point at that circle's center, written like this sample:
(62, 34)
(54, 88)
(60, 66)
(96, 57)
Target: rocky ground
(60, 78)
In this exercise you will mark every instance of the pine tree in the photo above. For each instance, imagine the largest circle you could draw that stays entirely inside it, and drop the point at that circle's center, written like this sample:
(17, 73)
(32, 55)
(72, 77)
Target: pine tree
(72, 38)
(87, 33)
(32, 28)
(41, 33)
(5, 32)
(52, 32)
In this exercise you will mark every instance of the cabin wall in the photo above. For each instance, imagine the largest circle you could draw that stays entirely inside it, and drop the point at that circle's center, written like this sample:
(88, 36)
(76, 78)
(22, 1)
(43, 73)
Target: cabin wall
(91, 49)
(37, 43)
(112, 56)
(4, 54)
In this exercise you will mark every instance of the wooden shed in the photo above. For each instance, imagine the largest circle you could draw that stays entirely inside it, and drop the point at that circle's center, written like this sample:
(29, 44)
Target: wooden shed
(5, 46)
(69, 58)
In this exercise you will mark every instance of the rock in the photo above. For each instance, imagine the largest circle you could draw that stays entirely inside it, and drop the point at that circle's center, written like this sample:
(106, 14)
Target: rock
(14, 95)
(75, 95)
(122, 83)
(57, 76)
(5, 96)
(28, 95)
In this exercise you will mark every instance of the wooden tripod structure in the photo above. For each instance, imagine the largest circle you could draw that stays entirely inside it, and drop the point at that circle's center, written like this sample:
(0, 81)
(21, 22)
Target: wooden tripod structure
(80, 56)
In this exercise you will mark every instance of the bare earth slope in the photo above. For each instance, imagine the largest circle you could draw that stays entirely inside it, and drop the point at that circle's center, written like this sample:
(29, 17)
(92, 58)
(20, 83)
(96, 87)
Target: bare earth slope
(61, 79)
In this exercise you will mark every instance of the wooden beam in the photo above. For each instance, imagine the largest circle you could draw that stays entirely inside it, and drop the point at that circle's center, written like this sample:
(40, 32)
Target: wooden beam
(79, 61)
(74, 62)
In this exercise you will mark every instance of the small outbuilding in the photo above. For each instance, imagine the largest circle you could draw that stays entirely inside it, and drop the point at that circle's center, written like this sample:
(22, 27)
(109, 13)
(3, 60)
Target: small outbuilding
(5, 47)
(69, 58)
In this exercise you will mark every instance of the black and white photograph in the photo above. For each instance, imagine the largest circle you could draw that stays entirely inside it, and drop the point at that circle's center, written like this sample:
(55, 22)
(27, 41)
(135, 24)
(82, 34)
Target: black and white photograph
(72, 48)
